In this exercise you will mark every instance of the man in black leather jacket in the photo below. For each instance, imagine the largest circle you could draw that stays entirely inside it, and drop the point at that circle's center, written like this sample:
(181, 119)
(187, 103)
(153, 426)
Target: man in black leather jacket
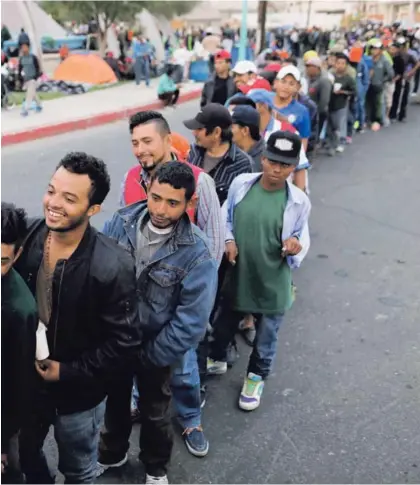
(85, 288)
(221, 86)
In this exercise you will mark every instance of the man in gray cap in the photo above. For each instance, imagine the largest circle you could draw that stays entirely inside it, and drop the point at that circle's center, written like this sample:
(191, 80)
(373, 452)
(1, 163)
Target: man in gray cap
(260, 275)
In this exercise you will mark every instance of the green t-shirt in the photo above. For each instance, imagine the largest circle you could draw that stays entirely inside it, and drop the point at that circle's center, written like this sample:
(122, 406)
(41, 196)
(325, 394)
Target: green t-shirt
(261, 279)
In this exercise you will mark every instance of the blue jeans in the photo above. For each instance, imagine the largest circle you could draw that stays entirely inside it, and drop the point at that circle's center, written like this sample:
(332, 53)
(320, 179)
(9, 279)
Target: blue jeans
(265, 343)
(142, 70)
(185, 386)
(77, 437)
(360, 107)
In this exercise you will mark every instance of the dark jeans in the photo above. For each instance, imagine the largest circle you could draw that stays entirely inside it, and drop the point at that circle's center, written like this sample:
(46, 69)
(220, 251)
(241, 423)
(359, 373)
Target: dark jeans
(77, 437)
(374, 104)
(13, 473)
(400, 100)
(156, 435)
(169, 98)
(416, 81)
(265, 343)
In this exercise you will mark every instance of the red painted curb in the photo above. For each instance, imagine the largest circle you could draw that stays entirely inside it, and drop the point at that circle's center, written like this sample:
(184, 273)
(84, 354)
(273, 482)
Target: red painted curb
(101, 119)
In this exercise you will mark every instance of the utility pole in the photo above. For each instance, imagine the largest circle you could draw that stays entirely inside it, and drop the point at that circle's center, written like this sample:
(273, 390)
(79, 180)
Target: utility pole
(308, 19)
(262, 18)
(244, 31)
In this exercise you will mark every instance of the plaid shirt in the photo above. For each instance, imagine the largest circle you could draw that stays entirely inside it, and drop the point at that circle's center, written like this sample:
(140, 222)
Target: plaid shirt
(235, 162)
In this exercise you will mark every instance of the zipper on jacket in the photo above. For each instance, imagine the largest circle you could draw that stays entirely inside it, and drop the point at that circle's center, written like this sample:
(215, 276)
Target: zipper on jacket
(58, 305)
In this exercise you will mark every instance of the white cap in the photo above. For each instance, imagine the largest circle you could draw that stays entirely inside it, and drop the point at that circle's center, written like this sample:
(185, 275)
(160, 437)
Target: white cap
(289, 71)
(243, 67)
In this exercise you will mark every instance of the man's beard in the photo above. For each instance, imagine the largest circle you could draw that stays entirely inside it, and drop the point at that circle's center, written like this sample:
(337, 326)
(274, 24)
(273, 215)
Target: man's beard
(152, 167)
(73, 224)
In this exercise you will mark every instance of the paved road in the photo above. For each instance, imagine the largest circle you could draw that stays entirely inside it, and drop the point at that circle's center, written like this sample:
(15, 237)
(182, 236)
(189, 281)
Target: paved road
(342, 405)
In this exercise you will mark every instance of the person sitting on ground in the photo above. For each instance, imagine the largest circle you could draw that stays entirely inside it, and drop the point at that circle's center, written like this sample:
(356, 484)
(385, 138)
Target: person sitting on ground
(168, 91)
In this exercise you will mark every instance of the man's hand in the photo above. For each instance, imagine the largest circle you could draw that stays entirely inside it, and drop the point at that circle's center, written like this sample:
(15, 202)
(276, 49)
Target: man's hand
(48, 369)
(291, 247)
(3, 462)
(231, 252)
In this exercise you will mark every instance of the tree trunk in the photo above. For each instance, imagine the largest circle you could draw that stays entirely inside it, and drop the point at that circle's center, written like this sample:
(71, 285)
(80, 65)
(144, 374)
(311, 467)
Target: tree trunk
(262, 16)
(102, 42)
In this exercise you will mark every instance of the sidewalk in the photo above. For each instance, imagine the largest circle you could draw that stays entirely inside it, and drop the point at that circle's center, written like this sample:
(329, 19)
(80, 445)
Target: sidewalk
(77, 112)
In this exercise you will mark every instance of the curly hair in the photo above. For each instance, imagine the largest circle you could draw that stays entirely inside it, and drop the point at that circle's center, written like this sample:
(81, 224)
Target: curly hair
(178, 175)
(146, 117)
(14, 225)
(83, 164)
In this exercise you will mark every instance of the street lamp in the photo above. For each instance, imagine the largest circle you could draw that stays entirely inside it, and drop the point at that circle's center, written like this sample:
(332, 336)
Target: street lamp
(244, 31)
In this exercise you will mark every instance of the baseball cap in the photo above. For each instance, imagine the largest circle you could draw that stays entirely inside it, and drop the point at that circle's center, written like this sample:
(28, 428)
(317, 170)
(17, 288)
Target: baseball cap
(377, 44)
(243, 67)
(289, 70)
(314, 61)
(245, 116)
(223, 55)
(213, 114)
(262, 96)
(283, 147)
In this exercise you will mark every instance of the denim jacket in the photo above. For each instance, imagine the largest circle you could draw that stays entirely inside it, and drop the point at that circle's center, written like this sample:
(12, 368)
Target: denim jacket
(295, 218)
(176, 290)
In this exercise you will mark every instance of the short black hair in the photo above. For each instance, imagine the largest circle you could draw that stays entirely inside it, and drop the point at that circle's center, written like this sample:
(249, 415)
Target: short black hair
(340, 55)
(14, 225)
(254, 131)
(292, 60)
(178, 175)
(83, 164)
(242, 101)
(145, 117)
(225, 135)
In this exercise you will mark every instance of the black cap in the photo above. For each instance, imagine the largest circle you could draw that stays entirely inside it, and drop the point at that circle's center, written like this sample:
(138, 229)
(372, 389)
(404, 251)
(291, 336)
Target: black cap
(246, 116)
(212, 115)
(283, 147)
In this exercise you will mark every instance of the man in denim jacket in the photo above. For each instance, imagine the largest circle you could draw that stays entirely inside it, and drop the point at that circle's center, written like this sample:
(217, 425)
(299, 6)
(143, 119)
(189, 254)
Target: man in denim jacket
(177, 281)
(266, 222)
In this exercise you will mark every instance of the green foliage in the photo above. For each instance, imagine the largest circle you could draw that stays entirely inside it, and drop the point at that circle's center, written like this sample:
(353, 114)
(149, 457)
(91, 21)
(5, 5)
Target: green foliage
(112, 11)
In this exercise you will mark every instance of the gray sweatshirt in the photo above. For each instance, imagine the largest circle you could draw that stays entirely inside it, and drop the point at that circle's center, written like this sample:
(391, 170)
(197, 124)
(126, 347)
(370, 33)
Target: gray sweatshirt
(382, 72)
(319, 90)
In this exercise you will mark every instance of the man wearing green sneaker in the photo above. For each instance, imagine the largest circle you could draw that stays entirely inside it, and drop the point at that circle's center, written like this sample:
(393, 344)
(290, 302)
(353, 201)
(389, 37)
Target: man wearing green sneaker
(266, 216)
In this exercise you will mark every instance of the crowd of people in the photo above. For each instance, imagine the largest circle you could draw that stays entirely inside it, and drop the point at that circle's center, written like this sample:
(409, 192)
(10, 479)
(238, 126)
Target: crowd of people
(101, 328)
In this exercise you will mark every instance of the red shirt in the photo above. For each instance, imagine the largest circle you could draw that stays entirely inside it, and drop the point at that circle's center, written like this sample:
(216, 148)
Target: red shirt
(260, 83)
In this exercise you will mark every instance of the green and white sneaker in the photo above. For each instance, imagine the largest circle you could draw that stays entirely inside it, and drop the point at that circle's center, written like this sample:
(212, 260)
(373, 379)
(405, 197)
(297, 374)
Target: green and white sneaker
(252, 390)
(216, 368)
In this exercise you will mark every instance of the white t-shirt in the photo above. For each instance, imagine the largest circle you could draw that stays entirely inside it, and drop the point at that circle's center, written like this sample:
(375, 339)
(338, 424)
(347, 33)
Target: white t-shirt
(181, 56)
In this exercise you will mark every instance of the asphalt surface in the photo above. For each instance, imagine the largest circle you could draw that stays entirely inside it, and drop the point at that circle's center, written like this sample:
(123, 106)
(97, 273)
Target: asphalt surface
(342, 405)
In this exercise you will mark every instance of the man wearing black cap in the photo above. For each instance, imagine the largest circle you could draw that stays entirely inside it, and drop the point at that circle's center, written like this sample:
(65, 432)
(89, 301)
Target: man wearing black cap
(214, 151)
(266, 217)
(246, 133)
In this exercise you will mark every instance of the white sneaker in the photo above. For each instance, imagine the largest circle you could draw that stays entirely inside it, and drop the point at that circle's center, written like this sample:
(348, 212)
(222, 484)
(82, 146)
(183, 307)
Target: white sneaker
(156, 480)
(216, 368)
(340, 149)
(252, 390)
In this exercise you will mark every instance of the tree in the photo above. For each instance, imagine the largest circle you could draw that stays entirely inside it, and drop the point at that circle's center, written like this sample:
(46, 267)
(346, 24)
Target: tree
(106, 13)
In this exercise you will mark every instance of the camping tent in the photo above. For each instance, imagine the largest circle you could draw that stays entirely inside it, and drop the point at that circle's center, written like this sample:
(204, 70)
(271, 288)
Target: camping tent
(13, 16)
(85, 68)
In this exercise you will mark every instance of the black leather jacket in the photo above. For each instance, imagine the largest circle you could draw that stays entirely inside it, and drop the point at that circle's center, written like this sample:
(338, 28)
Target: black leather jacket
(208, 90)
(94, 327)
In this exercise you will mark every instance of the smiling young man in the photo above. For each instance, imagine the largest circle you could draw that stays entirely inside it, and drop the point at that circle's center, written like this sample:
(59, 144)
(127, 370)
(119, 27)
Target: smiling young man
(266, 216)
(85, 288)
(177, 280)
(19, 321)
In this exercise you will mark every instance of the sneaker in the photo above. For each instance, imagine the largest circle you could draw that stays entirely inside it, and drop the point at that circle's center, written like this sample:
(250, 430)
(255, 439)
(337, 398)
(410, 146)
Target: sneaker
(216, 368)
(104, 465)
(197, 444)
(387, 122)
(252, 389)
(203, 395)
(151, 480)
(356, 125)
(331, 152)
(376, 126)
(38, 109)
(340, 149)
(24, 113)
(349, 140)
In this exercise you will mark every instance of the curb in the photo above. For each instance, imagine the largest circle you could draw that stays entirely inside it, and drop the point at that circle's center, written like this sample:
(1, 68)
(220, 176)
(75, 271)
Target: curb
(85, 123)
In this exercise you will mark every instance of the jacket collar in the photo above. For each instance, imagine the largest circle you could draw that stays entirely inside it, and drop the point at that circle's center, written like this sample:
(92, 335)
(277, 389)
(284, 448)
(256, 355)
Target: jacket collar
(229, 156)
(183, 232)
(257, 148)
